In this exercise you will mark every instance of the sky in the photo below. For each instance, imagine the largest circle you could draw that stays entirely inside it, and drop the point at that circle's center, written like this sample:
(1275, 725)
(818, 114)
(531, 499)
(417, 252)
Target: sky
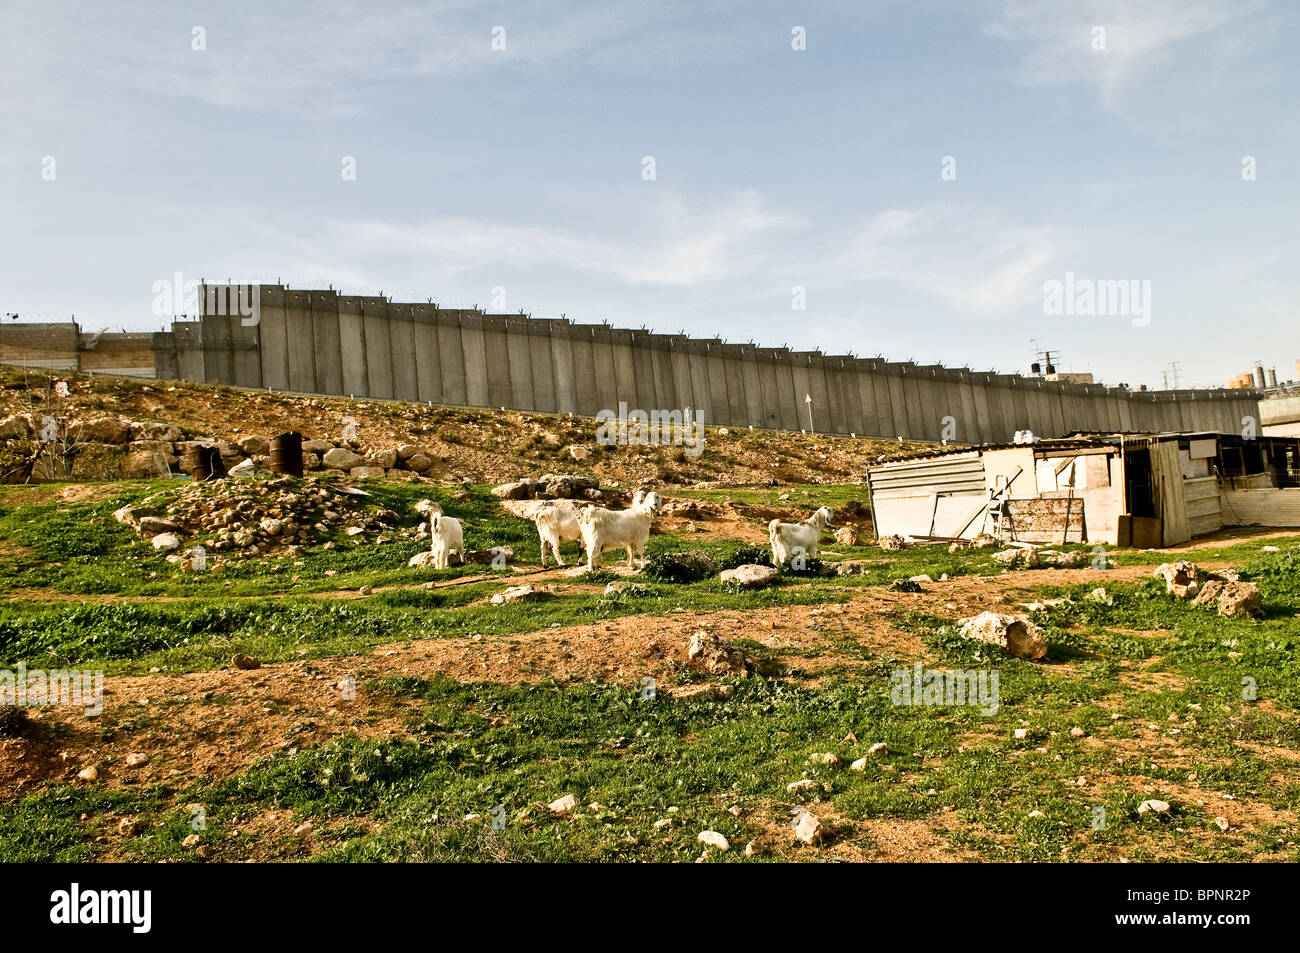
(903, 179)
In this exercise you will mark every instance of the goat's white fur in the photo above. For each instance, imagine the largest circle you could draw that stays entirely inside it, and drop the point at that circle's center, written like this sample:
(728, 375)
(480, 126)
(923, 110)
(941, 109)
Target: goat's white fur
(603, 529)
(446, 537)
(797, 539)
(557, 523)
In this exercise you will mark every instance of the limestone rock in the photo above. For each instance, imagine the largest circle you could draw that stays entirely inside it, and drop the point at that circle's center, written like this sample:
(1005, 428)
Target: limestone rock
(703, 692)
(751, 576)
(342, 459)
(367, 473)
(848, 536)
(1232, 598)
(715, 655)
(563, 805)
(145, 465)
(894, 542)
(1182, 579)
(714, 839)
(810, 830)
(255, 446)
(1015, 635)
(166, 542)
(100, 430)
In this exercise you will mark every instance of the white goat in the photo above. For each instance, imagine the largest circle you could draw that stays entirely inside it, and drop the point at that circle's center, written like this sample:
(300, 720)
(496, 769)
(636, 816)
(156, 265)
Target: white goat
(797, 539)
(445, 534)
(628, 529)
(557, 523)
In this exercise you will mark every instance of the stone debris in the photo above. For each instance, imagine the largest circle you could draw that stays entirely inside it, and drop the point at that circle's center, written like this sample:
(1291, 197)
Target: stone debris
(563, 805)
(750, 576)
(1232, 598)
(716, 655)
(1154, 806)
(714, 839)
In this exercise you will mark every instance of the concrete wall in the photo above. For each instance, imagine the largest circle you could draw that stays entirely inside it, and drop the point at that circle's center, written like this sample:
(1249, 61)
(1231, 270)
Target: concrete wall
(322, 342)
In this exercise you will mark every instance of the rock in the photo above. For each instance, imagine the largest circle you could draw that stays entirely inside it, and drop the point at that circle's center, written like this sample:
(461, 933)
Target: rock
(1015, 635)
(803, 787)
(753, 848)
(848, 536)
(100, 430)
(148, 430)
(1232, 598)
(923, 577)
(1067, 560)
(1153, 806)
(384, 459)
(405, 451)
(166, 542)
(367, 473)
(1021, 734)
(487, 556)
(826, 758)
(249, 468)
(422, 560)
(568, 487)
(715, 655)
(686, 565)
(1100, 595)
(245, 662)
(563, 805)
(520, 594)
(1182, 579)
(878, 750)
(271, 526)
(317, 446)
(852, 567)
(129, 827)
(1077, 732)
(751, 576)
(894, 542)
(520, 490)
(89, 774)
(153, 525)
(136, 759)
(17, 425)
(419, 463)
(577, 453)
(255, 446)
(1027, 557)
(342, 459)
(714, 839)
(192, 840)
(859, 765)
(810, 829)
(624, 588)
(145, 465)
(905, 585)
(983, 541)
(704, 692)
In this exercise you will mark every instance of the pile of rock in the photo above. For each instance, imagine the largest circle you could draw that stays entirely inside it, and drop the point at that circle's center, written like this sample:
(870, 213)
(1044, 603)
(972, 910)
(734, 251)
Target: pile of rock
(1014, 634)
(1231, 596)
(257, 517)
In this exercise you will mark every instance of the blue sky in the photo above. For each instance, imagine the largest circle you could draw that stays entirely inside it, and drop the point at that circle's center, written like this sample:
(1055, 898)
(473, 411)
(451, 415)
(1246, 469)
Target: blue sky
(521, 168)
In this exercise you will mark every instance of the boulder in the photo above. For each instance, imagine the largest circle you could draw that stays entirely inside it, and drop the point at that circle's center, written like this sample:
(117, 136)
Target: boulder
(751, 576)
(407, 450)
(567, 487)
(810, 830)
(17, 425)
(419, 462)
(255, 446)
(563, 805)
(848, 536)
(145, 465)
(1182, 579)
(525, 489)
(1232, 598)
(891, 542)
(1027, 557)
(851, 567)
(166, 542)
(1072, 560)
(716, 655)
(708, 692)
(151, 525)
(147, 430)
(1015, 635)
(520, 594)
(100, 430)
(714, 839)
(342, 459)
(386, 459)
(317, 446)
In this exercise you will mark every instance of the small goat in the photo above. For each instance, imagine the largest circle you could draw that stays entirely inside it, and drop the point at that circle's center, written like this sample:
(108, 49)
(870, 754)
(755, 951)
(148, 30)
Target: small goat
(603, 529)
(445, 534)
(797, 539)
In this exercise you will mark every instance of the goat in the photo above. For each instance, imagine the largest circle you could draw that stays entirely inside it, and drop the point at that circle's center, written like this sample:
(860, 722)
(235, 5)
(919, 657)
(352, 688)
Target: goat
(628, 529)
(797, 539)
(445, 534)
(556, 523)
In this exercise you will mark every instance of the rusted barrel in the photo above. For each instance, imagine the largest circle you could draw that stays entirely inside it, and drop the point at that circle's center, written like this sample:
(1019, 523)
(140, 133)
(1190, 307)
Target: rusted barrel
(204, 463)
(286, 454)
